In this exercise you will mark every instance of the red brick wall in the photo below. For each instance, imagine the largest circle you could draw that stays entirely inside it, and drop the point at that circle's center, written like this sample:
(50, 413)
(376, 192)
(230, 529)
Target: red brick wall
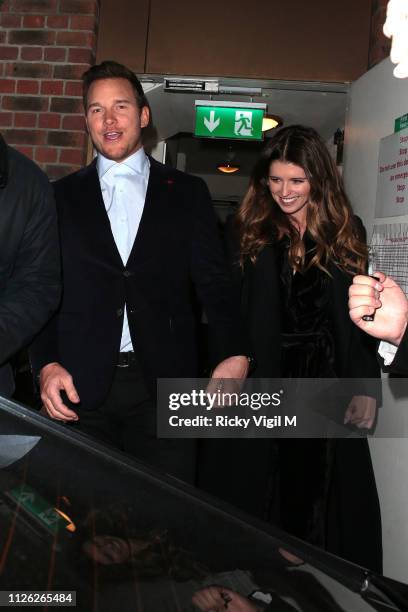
(45, 46)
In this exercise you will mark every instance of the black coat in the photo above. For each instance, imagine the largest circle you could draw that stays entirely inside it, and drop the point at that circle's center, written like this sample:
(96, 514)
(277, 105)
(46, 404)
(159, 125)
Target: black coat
(355, 354)
(176, 250)
(335, 477)
(29, 256)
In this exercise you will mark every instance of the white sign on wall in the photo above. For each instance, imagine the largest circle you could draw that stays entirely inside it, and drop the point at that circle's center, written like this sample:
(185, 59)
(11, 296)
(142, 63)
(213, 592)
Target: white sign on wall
(392, 181)
(389, 251)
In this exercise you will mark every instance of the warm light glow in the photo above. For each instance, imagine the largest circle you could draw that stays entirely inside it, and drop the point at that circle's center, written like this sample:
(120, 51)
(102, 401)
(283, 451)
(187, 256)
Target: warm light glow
(268, 123)
(70, 525)
(228, 168)
(396, 28)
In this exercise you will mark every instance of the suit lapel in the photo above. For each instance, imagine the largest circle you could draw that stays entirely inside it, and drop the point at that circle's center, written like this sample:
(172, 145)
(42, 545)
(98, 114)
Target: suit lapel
(95, 225)
(153, 218)
(94, 218)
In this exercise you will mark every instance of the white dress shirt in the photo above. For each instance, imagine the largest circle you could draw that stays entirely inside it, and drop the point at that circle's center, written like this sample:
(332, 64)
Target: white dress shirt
(124, 187)
(387, 352)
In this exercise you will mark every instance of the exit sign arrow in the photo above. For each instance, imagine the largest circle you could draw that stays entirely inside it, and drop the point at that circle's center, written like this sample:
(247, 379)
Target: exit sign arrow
(212, 123)
(226, 119)
(27, 497)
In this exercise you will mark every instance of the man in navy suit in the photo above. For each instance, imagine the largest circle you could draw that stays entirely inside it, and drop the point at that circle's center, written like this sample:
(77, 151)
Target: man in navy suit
(137, 239)
(384, 299)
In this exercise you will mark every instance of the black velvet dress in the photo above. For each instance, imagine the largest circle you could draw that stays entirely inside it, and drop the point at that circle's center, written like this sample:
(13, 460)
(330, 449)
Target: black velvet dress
(319, 480)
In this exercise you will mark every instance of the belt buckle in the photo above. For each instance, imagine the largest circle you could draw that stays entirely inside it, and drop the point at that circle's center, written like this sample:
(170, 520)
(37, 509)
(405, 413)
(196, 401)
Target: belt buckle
(126, 361)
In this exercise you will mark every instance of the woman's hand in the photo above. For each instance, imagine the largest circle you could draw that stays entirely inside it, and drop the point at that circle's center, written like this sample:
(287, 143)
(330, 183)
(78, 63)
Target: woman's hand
(361, 411)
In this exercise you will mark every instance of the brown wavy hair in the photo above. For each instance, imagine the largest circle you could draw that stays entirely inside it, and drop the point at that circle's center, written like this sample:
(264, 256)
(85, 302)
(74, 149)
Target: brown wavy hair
(330, 221)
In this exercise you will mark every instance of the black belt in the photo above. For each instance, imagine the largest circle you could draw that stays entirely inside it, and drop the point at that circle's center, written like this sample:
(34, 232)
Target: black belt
(126, 359)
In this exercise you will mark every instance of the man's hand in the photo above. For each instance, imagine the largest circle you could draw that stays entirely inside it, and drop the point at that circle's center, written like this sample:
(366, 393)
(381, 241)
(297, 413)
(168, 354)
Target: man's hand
(229, 375)
(54, 379)
(217, 598)
(385, 300)
(361, 412)
(232, 367)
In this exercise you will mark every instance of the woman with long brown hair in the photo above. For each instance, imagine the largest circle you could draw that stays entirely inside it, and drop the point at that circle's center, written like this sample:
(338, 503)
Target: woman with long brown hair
(299, 246)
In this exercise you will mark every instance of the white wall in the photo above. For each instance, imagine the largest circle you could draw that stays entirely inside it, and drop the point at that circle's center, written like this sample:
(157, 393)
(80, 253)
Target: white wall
(376, 99)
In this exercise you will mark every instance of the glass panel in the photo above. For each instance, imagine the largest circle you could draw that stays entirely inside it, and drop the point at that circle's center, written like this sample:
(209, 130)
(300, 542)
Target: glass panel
(75, 515)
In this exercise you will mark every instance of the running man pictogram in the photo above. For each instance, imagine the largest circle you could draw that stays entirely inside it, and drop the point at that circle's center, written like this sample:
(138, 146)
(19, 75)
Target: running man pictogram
(243, 123)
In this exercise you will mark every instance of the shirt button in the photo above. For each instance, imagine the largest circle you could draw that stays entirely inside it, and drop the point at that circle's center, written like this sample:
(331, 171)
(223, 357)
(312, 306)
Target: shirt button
(119, 312)
(127, 273)
(131, 311)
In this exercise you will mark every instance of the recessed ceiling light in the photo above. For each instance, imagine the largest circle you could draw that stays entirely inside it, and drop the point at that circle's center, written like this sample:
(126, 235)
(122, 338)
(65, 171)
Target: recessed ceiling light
(228, 168)
(269, 122)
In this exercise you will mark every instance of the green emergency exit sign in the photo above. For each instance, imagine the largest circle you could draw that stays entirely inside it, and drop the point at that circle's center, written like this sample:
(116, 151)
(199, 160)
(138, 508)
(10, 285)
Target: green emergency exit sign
(401, 123)
(229, 120)
(37, 507)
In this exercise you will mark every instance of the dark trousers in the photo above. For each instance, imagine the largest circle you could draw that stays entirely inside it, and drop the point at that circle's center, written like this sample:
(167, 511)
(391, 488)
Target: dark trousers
(127, 421)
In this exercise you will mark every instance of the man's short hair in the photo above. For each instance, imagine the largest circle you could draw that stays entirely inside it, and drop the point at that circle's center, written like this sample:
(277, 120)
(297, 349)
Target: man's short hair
(112, 70)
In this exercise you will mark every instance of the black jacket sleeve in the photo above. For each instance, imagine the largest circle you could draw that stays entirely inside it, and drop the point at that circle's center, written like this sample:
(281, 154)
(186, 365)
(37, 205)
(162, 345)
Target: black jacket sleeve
(256, 294)
(29, 265)
(213, 281)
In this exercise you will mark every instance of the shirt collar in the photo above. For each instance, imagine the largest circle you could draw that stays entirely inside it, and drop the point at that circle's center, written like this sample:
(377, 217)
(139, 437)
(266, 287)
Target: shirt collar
(138, 162)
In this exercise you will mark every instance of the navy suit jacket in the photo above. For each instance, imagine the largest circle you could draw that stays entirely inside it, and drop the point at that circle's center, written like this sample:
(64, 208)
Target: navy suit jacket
(176, 253)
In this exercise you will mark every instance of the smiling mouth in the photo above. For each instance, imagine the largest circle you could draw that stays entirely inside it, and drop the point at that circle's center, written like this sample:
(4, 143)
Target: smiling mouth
(289, 200)
(111, 136)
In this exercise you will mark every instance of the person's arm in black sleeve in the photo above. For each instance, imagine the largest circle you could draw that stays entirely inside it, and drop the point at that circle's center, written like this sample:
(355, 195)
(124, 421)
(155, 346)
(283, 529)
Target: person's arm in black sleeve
(212, 280)
(32, 292)
(240, 289)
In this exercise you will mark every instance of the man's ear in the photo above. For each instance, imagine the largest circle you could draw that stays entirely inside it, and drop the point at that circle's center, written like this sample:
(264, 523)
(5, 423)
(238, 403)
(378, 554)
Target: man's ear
(144, 116)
